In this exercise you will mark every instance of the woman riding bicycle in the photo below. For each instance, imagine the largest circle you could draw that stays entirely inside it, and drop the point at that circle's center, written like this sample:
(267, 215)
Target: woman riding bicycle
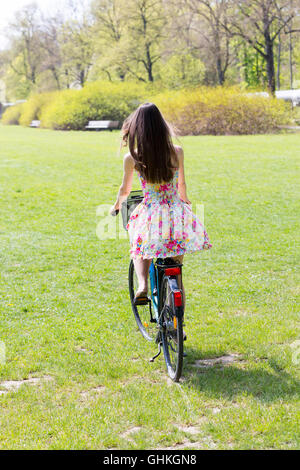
(163, 224)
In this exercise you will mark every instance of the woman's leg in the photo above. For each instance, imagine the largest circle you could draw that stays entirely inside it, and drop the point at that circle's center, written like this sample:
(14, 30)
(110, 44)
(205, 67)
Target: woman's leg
(141, 267)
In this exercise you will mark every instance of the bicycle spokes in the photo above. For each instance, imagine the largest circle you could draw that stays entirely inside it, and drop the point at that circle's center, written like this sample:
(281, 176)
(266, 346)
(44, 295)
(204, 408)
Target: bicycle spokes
(170, 329)
(172, 333)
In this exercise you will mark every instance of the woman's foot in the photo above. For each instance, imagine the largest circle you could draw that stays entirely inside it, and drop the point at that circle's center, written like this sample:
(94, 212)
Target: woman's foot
(142, 289)
(141, 297)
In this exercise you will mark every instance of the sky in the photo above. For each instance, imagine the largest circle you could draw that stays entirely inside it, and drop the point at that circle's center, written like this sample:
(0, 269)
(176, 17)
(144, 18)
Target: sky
(9, 7)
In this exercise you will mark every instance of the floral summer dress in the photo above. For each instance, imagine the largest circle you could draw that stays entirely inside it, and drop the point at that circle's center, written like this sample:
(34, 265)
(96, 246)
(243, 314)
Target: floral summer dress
(162, 225)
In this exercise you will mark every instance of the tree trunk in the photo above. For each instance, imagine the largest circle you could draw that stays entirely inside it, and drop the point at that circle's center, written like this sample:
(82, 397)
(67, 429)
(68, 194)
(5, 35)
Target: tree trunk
(246, 75)
(270, 62)
(278, 61)
(81, 77)
(67, 78)
(149, 65)
(33, 76)
(221, 77)
(291, 60)
(55, 75)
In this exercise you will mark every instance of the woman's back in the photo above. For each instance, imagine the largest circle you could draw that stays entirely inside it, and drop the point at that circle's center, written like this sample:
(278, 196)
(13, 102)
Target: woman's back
(163, 193)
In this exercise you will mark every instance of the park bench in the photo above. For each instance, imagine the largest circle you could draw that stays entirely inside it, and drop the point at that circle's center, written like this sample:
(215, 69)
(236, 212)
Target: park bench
(101, 125)
(292, 128)
(35, 123)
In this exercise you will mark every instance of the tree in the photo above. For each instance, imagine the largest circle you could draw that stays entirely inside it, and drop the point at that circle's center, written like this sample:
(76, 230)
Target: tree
(290, 31)
(253, 66)
(259, 23)
(109, 29)
(214, 14)
(77, 48)
(146, 23)
(172, 42)
(51, 47)
(109, 15)
(26, 56)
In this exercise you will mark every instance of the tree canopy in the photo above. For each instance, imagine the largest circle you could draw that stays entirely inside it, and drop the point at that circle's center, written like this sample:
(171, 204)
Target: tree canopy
(166, 43)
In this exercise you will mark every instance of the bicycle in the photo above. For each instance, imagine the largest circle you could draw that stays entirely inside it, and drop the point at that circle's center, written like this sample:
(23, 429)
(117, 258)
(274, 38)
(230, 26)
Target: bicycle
(159, 316)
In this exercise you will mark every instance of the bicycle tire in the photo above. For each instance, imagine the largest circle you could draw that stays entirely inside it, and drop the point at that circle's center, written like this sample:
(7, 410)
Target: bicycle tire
(142, 313)
(171, 336)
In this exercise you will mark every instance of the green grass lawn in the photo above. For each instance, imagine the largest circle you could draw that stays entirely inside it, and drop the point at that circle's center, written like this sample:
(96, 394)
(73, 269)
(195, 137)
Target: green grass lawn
(65, 315)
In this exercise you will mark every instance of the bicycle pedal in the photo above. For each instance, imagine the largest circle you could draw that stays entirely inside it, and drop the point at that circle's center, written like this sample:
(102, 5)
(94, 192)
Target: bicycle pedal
(142, 301)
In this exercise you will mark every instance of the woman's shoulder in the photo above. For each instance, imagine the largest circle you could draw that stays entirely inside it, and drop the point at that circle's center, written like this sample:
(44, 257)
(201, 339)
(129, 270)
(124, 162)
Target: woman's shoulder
(128, 159)
(178, 149)
(179, 154)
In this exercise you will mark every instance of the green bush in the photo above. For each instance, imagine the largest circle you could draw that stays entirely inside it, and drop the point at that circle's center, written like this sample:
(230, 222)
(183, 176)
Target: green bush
(12, 114)
(296, 115)
(72, 109)
(202, 110)
(33, 107)
(221, 110)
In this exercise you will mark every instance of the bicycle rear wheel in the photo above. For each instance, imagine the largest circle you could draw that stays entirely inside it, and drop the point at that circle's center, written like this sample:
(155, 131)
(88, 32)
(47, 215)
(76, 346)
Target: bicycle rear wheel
(142, 313)
(172, 331)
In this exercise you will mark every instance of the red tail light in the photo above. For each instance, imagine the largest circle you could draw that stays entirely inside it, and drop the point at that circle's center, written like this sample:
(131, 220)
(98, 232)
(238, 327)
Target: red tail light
(177, 298)
(172, 271)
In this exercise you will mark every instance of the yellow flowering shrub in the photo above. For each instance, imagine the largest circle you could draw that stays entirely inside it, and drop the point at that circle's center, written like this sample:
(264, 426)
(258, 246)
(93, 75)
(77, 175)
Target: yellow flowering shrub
(201, 110)
(12, 114)
(73, 109)
(221, 110)
(32, 109)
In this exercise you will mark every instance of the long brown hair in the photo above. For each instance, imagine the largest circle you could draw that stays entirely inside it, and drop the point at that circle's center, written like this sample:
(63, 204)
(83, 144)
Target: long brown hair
(148, 136)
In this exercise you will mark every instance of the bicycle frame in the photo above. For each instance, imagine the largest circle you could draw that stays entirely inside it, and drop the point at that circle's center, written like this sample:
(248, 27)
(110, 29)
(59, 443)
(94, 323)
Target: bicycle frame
(156, 271)
(165, 307)
(154, 285)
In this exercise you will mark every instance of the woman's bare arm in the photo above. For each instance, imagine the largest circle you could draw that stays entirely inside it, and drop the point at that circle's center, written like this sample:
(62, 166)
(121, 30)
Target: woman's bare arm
(125, 188)
(181, 178)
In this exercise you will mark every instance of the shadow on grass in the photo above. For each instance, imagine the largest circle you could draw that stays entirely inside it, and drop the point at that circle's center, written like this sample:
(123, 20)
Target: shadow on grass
(230, 380)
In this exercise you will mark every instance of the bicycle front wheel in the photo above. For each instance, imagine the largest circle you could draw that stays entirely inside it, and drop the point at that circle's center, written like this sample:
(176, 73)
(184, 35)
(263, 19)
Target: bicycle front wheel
(142, 313)
(172, 331)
